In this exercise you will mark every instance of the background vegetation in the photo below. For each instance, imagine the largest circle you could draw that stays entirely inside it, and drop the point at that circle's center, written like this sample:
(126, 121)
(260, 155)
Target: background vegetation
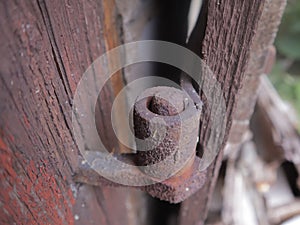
(286, 72)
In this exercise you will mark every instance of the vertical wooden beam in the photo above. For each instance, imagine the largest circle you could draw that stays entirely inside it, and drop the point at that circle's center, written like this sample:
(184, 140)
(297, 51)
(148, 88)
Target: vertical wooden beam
(230, 27)
(262, 56)
(46, 47)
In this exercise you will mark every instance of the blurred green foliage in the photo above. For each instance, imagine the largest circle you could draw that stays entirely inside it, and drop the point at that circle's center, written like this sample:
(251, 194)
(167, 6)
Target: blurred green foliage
(286, 72)
(287, 85)
(288, 37)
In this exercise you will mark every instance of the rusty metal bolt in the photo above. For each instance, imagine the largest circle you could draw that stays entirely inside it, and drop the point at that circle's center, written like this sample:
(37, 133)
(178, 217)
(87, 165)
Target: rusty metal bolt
(166, 122)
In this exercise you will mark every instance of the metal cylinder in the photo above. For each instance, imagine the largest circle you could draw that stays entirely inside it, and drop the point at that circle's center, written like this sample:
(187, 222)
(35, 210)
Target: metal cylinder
(166, 123)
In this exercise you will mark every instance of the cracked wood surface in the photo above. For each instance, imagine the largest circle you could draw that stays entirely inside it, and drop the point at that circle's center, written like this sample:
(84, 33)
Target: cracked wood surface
(45, 48)
(229, 37)
(262, 51)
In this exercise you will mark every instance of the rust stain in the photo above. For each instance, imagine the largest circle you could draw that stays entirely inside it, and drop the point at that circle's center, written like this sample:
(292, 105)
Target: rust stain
(32, 196)
(2, 144)
(112, 40)
(26, 122)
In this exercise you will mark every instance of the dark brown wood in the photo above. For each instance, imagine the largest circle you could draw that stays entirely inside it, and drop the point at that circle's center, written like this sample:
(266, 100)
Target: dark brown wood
(233, 30)
(45, 48)
(229, 32)
(261, 57)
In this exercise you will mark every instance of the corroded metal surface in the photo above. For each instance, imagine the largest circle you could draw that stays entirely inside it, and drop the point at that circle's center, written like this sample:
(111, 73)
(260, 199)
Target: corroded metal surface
(166, 123)
(181, 186)
(167, 120)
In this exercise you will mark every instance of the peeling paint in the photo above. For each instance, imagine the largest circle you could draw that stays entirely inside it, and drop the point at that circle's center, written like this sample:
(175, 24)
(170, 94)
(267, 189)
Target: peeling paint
(27, 194)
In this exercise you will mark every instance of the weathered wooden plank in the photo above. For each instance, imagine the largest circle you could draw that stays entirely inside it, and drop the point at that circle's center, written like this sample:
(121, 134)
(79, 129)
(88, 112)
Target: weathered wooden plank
(228, 55)
(46, 47)
(34, 146)
(262, 57)
(230, 27)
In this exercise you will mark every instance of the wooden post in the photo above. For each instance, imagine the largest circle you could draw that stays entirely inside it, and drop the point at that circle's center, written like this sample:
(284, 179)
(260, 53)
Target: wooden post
(45, 48)
(234, 36)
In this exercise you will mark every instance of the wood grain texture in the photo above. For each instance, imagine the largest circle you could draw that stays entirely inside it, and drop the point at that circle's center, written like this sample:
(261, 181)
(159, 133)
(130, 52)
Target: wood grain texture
(45, 48)
(237, 59)
(247, 96)
(230, 27)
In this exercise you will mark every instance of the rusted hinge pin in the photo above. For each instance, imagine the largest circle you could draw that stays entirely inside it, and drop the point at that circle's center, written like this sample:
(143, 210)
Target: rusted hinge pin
(166, 121)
